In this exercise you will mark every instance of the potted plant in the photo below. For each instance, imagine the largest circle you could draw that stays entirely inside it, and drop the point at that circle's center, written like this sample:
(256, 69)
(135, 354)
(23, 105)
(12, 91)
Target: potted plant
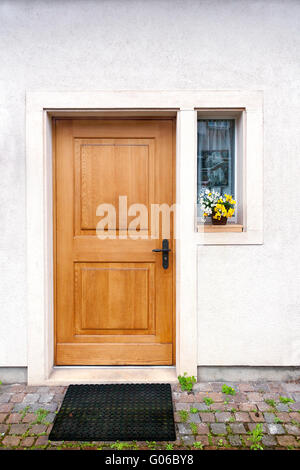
(213, 204)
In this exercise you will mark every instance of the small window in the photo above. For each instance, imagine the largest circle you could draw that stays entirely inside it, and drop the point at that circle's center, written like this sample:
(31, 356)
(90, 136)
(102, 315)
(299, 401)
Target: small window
(216, 166)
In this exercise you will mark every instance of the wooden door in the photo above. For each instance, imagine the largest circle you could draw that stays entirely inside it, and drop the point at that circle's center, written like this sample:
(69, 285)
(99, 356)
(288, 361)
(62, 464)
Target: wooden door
(114, 301)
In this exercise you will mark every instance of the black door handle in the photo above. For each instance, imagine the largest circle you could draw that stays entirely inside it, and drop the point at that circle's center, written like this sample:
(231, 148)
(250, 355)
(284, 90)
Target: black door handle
(165, 253)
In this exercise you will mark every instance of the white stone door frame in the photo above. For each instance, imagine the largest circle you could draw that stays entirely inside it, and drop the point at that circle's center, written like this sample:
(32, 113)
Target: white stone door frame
(40, 107)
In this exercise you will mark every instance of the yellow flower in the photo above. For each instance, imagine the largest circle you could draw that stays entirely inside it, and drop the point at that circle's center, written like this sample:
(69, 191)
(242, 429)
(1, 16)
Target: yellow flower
(205, 214)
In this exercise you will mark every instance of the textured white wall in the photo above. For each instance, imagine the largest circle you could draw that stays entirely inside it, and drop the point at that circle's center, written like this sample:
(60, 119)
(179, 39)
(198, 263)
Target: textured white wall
(248, 295)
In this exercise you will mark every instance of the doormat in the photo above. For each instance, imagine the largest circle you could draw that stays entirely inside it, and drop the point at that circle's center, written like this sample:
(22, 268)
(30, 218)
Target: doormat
(115, 412)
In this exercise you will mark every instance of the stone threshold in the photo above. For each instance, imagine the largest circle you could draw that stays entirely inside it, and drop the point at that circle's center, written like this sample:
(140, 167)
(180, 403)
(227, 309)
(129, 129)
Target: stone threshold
(93, 375)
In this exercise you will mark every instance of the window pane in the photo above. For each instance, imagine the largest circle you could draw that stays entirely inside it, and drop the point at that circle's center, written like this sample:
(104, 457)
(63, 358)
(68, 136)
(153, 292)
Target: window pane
(216, 139)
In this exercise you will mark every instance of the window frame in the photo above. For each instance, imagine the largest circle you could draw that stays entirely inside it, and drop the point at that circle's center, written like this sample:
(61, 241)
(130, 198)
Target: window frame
(234, 219)
(237, 223)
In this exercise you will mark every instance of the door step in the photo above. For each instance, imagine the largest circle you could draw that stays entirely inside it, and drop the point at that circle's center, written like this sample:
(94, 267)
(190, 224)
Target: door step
(93, 375)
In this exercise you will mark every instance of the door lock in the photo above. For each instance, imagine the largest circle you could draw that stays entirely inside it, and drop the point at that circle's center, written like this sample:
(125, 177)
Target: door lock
(165, 253)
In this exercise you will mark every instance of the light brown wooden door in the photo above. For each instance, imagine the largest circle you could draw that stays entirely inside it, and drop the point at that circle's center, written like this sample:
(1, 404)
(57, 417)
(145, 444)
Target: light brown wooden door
(114, 302)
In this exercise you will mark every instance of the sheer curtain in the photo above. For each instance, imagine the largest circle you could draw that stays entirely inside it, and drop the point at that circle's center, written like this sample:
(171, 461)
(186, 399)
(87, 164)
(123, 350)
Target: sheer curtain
(215, 162)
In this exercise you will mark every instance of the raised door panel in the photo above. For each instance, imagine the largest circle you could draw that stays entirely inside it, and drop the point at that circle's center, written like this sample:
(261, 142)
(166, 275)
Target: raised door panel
(107, 169)
(114, 298)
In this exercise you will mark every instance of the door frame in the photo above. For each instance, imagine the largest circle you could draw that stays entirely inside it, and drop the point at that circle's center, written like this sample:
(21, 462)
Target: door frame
(40, 108)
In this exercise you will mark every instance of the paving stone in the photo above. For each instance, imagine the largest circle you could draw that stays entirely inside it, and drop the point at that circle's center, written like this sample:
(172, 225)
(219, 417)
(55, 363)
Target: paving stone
(42, 441)
(269, 441)
(11, 441)
(17, 388)
(201, 406)
(282, 407)
(45, 398)
(219, 407)
(288, 441)
(203, 387)
(219, 441)
(3, 429)
(18, 428)
(203, 440)
(218, 428)
(239, 397)
(202, 428)
(3, 417)
(217, 397)
(292, 429)
(182, 406)
(296, 396)
(187, 398)
(269, 417)
(293, 406)
(237, 428)
(29, 418)
(223, 417)
(242, 416)
(292, 387)
(43, 390)
(207, 417)
(271, 396)
(246, 441)
(255, 397)
(17, 398)
(194, 418)
(247, 407)
(228, 398)
(31, 398)
(27, 442)
(275, 387)
(262, 406)
(6, 407)
(275, 429)
(184, 428)
(257, 417)
(199, 396)
(45, 406)
(38, 429)
(295, 416)
(217, 386)
(284, 417)
(14, 418)
(58, 389)
(246, 387)
(252, 426)
(261, 387)
(20, 407)
(234, 441)
(5, 397)
(187, 440)
(31, 389)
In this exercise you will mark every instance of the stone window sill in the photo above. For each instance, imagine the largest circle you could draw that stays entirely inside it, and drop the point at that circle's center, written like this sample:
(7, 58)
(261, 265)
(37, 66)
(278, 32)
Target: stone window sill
(209, 228)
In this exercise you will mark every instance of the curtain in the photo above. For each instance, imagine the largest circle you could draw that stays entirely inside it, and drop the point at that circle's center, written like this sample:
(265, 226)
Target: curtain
(215, 161)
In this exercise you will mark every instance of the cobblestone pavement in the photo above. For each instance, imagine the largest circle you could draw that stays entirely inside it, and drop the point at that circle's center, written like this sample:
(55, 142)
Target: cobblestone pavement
(206, 418)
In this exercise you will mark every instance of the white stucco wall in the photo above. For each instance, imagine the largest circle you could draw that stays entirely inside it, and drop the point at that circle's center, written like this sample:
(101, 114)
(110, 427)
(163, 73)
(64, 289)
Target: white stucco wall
(248, 295)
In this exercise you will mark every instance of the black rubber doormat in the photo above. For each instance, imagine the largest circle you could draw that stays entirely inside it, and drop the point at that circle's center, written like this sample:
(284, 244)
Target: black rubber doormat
(124, 412)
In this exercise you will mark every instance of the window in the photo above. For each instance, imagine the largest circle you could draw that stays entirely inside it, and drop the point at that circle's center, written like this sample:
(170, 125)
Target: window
(216, 156)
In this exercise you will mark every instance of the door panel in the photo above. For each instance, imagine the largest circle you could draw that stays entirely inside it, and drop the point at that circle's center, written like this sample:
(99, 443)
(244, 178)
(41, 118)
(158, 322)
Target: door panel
(113, 299)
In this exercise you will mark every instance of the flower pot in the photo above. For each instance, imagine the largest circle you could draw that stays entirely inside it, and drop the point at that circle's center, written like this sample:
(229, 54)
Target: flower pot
(222, 221)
